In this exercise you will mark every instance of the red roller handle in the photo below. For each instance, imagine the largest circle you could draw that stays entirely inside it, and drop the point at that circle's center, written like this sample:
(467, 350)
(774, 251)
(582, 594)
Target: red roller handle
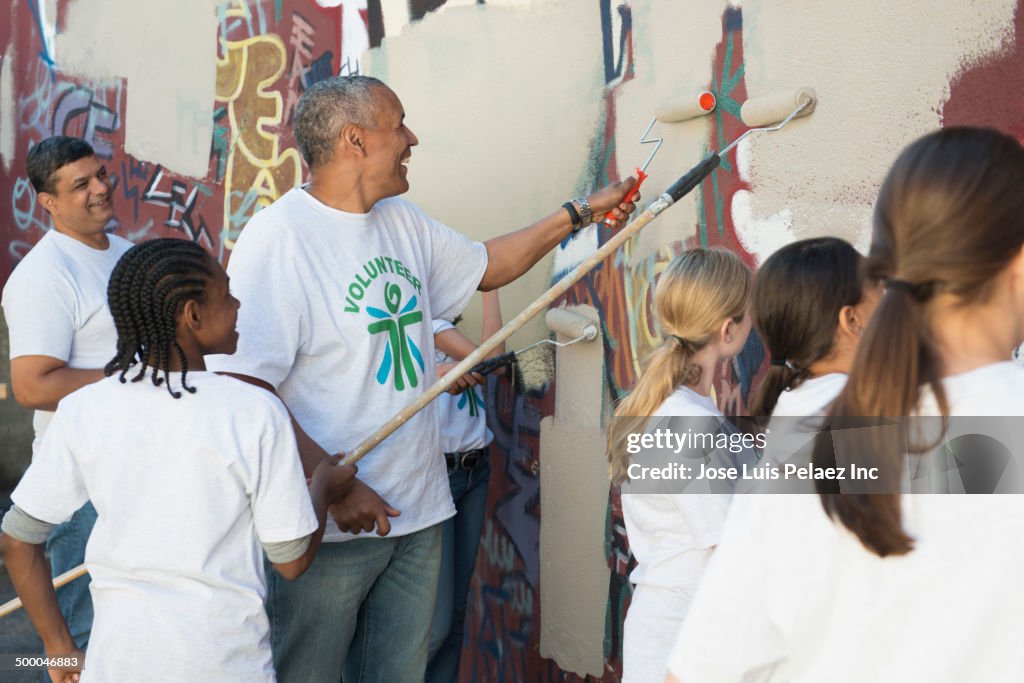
(640, 178)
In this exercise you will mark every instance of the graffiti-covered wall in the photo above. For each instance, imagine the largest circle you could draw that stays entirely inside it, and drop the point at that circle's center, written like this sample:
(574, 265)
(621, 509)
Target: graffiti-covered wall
(519, 105)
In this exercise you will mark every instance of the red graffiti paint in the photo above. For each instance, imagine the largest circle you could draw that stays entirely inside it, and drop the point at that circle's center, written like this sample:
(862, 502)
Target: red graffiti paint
(989, 94)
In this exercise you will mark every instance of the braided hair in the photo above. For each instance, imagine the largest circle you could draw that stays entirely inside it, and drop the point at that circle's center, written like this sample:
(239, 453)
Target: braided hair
(148, 285)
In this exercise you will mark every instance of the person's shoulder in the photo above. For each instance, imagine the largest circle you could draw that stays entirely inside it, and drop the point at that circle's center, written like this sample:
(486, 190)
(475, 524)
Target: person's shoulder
(42, 253)
(119, 244)
(397, 203)
(95, 395)
(399, 207)
(1008, 373)
(274, 222)
(41, 266)
(996, 389)
(687, 403)
(811, 398)
(241, 397)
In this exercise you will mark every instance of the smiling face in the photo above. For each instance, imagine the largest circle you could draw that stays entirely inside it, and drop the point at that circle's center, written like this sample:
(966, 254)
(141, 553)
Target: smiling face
(388, 146)
(82, 201)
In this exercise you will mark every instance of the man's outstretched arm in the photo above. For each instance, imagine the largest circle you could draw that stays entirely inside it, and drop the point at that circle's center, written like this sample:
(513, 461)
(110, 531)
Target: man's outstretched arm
(512, 254)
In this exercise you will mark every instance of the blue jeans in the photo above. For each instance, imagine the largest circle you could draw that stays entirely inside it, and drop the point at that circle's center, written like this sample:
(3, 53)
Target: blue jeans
(66, 547)
(362, 609)
(460, 539)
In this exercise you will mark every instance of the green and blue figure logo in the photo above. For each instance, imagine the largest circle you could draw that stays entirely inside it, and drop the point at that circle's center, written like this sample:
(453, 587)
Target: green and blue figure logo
(400, 352)
(469, 397)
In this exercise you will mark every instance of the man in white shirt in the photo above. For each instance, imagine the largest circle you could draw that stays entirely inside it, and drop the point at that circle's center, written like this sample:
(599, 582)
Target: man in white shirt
(61, 331)
(341, 280)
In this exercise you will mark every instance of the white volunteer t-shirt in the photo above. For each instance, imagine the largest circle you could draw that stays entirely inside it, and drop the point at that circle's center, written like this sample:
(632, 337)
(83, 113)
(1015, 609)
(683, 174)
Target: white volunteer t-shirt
(185, 491)
(55, 303)
(671, 535)
(336, 314)
(462, 418)
(792, 596)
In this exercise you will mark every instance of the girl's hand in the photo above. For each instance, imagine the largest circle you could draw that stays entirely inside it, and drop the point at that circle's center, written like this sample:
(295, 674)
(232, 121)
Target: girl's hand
(69, 674)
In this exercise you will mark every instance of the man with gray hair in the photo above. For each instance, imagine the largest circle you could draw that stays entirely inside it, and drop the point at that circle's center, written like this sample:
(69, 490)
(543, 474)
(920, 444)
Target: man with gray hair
(341, 279)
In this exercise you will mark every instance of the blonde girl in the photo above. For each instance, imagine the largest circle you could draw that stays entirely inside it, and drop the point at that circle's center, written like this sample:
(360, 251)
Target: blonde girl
(701, 302)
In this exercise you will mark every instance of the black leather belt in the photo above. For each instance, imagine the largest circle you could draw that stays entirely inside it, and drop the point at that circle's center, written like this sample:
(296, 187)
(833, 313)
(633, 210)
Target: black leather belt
(466, 460)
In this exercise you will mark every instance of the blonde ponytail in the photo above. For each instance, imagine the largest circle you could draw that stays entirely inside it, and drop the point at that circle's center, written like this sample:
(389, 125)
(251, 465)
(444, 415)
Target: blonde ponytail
(698, 290)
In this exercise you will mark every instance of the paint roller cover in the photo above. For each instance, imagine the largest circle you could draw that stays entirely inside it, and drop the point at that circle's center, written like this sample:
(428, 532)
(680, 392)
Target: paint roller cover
(773, 108)
(570, 325)
(699, 104)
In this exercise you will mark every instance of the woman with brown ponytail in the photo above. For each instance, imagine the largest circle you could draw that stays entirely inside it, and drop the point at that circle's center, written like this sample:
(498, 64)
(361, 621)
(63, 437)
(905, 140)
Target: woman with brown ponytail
(702, 302)
(883, 586)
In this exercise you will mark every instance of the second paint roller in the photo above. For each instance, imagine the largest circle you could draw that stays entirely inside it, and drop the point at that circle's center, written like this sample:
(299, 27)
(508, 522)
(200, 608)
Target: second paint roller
(532, 365)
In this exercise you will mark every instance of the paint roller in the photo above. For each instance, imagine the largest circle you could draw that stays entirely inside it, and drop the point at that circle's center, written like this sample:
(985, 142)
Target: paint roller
(769, 108)
(532, 365)
(669, 111)
(761, 111)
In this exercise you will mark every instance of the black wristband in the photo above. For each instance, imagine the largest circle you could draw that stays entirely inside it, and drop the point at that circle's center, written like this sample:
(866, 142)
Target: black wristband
(573, 216)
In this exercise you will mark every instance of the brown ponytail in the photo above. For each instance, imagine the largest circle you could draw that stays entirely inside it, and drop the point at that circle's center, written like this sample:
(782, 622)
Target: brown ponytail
(949, 218)
(698, 290)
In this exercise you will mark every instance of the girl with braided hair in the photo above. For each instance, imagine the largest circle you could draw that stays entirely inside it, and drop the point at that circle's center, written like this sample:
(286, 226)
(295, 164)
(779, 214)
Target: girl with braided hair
(193, 475)
(701, 301)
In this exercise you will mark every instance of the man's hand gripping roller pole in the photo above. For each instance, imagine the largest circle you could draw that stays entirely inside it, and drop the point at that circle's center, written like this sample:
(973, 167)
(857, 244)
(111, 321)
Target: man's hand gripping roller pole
(641, 174)
(700, 104)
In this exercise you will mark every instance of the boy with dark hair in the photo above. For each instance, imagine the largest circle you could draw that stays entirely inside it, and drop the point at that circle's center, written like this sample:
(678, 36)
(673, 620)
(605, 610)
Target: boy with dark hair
(61, 332)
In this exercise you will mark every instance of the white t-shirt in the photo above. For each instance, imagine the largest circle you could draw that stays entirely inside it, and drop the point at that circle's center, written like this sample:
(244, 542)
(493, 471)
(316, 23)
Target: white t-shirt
(185, 491)
(55, 303)
(792, 436)
(336, 314)
(462, 418)
(812, 397)
(671, 535)
(792, 596)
